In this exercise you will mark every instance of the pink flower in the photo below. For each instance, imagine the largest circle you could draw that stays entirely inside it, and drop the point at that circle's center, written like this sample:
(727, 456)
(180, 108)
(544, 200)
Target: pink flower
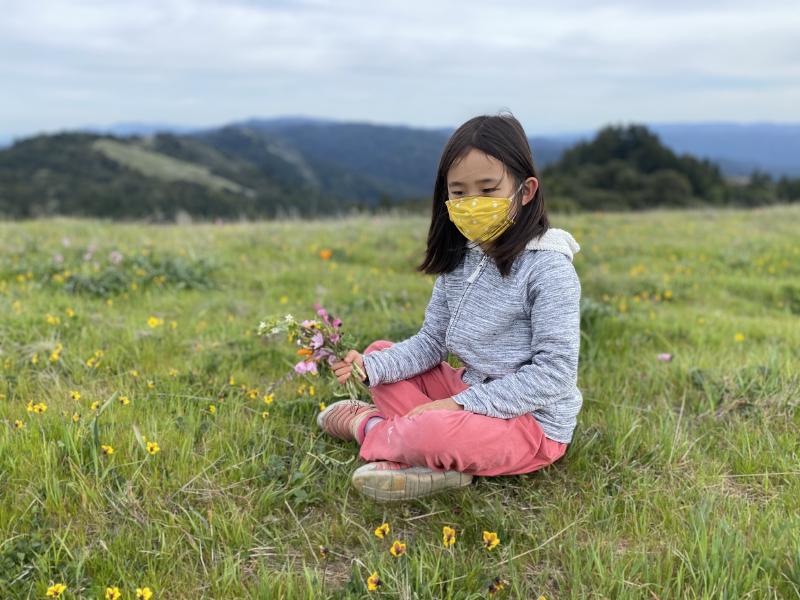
(321, 353)
(318, 340)
(306, 366)
(335, 338)
(307, 323)
(665, 356)
(337, 323)
(322, 312)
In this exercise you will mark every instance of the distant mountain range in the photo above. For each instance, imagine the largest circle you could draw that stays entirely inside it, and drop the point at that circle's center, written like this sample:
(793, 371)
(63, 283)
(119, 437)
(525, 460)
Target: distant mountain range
(738, 148)
(306, 167)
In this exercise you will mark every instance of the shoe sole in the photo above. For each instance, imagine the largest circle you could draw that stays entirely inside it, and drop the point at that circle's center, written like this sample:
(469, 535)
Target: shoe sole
(407, 484)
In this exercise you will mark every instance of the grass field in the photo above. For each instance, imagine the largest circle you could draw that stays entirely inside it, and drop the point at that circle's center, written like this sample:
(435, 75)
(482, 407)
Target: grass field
(683, 479)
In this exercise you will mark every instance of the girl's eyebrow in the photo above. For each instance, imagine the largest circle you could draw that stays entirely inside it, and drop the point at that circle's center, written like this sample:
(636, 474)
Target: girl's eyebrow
(485, 180)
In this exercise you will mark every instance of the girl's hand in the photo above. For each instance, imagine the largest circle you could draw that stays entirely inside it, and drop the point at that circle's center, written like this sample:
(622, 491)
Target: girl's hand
(343, 368)
(445, 404)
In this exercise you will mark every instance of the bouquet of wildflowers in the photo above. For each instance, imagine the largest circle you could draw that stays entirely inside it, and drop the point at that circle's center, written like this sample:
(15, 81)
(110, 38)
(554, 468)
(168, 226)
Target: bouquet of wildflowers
(321, 343)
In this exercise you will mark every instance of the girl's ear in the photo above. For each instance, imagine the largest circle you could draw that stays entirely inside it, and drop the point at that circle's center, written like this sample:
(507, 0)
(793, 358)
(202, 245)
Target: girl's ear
(529, 190)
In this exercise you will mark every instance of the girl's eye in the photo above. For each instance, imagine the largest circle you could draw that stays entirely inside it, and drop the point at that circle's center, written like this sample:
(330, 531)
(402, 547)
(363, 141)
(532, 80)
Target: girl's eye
(484, 191)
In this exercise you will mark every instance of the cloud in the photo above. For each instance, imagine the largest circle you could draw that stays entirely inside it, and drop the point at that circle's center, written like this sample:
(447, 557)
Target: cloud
(567, 65)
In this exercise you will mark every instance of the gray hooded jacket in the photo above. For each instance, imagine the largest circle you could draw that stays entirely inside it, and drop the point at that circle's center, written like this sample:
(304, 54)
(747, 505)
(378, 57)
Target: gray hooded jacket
(518, 337)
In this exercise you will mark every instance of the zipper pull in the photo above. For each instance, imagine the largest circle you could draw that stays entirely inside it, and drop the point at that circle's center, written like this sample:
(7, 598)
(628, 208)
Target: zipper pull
(472, 277)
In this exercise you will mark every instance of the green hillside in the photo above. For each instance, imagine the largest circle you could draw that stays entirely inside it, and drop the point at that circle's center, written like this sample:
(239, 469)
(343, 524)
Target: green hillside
(258, 169)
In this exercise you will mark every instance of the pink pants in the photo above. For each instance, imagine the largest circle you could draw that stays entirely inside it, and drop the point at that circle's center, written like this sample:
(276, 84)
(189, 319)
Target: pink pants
(457, 440)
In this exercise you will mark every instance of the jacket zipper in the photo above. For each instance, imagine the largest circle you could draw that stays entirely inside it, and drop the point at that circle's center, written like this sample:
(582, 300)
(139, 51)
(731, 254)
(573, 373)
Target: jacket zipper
(470, 280)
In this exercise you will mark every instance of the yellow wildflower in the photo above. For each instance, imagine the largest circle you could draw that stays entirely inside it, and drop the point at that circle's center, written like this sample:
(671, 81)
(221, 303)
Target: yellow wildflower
(154, 322)
(144, 593)
(252, 393)
(55, 355)
(448, 536)
(150, 384)
(231, 380)
(39, 407)
(124, 400)
(55, 590)
(75, 395)
(52, 319)
(35, 358)
(490, 539)
(75, 417)
(311, 390)
(134, 373)
(382, 530)
(496, 585)
(374, 582)
(212, 409)
(398, 548)
(18, 424)
(739, 337)
(152, 447)
(268, 399)
(264, 414)
(70, 312)
(322, 406)
(95, 405)
(106, 449)
(29, 406)
(113, 593)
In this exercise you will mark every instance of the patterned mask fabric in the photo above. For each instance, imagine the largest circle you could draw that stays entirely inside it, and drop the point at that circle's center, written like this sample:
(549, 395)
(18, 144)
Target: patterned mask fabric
(481, 218)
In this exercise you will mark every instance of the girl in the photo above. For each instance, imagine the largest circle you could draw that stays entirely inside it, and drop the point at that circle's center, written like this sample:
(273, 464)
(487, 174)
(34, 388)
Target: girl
(505, 303)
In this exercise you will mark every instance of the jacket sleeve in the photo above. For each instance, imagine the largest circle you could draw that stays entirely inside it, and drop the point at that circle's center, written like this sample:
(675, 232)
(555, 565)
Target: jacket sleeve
(419, 353)
(555, 322)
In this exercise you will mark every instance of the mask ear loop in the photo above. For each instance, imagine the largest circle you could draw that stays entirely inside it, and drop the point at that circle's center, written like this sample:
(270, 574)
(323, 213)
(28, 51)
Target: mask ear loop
(503, 221)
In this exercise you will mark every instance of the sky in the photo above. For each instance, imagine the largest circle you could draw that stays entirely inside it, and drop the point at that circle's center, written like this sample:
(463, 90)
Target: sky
(565, 66)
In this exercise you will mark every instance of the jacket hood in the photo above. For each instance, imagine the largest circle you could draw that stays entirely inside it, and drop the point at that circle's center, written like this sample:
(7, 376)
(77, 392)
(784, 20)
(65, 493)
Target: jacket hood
(555, 239)
(558, 240)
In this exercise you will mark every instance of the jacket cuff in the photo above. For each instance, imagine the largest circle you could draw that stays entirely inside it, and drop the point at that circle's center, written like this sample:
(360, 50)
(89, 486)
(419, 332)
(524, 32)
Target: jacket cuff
(372, 369)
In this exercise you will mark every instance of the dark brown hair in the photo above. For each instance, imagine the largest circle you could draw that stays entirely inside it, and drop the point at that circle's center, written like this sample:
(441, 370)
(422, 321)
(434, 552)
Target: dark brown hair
(502, 137)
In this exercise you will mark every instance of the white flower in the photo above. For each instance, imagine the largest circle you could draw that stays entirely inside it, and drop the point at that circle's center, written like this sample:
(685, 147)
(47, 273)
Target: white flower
(289, 318)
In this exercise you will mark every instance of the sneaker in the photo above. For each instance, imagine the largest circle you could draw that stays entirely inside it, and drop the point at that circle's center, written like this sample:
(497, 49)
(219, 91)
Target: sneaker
(388, 481)
(342, 419)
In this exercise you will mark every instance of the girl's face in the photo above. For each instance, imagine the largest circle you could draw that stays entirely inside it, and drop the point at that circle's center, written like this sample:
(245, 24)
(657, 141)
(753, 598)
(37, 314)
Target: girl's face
(478, 174)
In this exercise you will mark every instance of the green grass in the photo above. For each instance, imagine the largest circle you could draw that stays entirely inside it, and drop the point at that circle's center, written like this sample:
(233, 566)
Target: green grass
(682, 481)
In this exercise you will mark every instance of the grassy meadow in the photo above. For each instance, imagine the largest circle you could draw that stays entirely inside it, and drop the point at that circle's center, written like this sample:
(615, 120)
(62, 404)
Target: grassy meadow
(149, 438)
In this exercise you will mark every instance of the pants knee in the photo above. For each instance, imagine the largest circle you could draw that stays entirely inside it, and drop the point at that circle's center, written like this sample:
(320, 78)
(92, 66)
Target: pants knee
(377, 345)
(425, 436)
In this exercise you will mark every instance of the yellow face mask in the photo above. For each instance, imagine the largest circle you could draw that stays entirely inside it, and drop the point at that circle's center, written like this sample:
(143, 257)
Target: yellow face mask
(481, 218)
